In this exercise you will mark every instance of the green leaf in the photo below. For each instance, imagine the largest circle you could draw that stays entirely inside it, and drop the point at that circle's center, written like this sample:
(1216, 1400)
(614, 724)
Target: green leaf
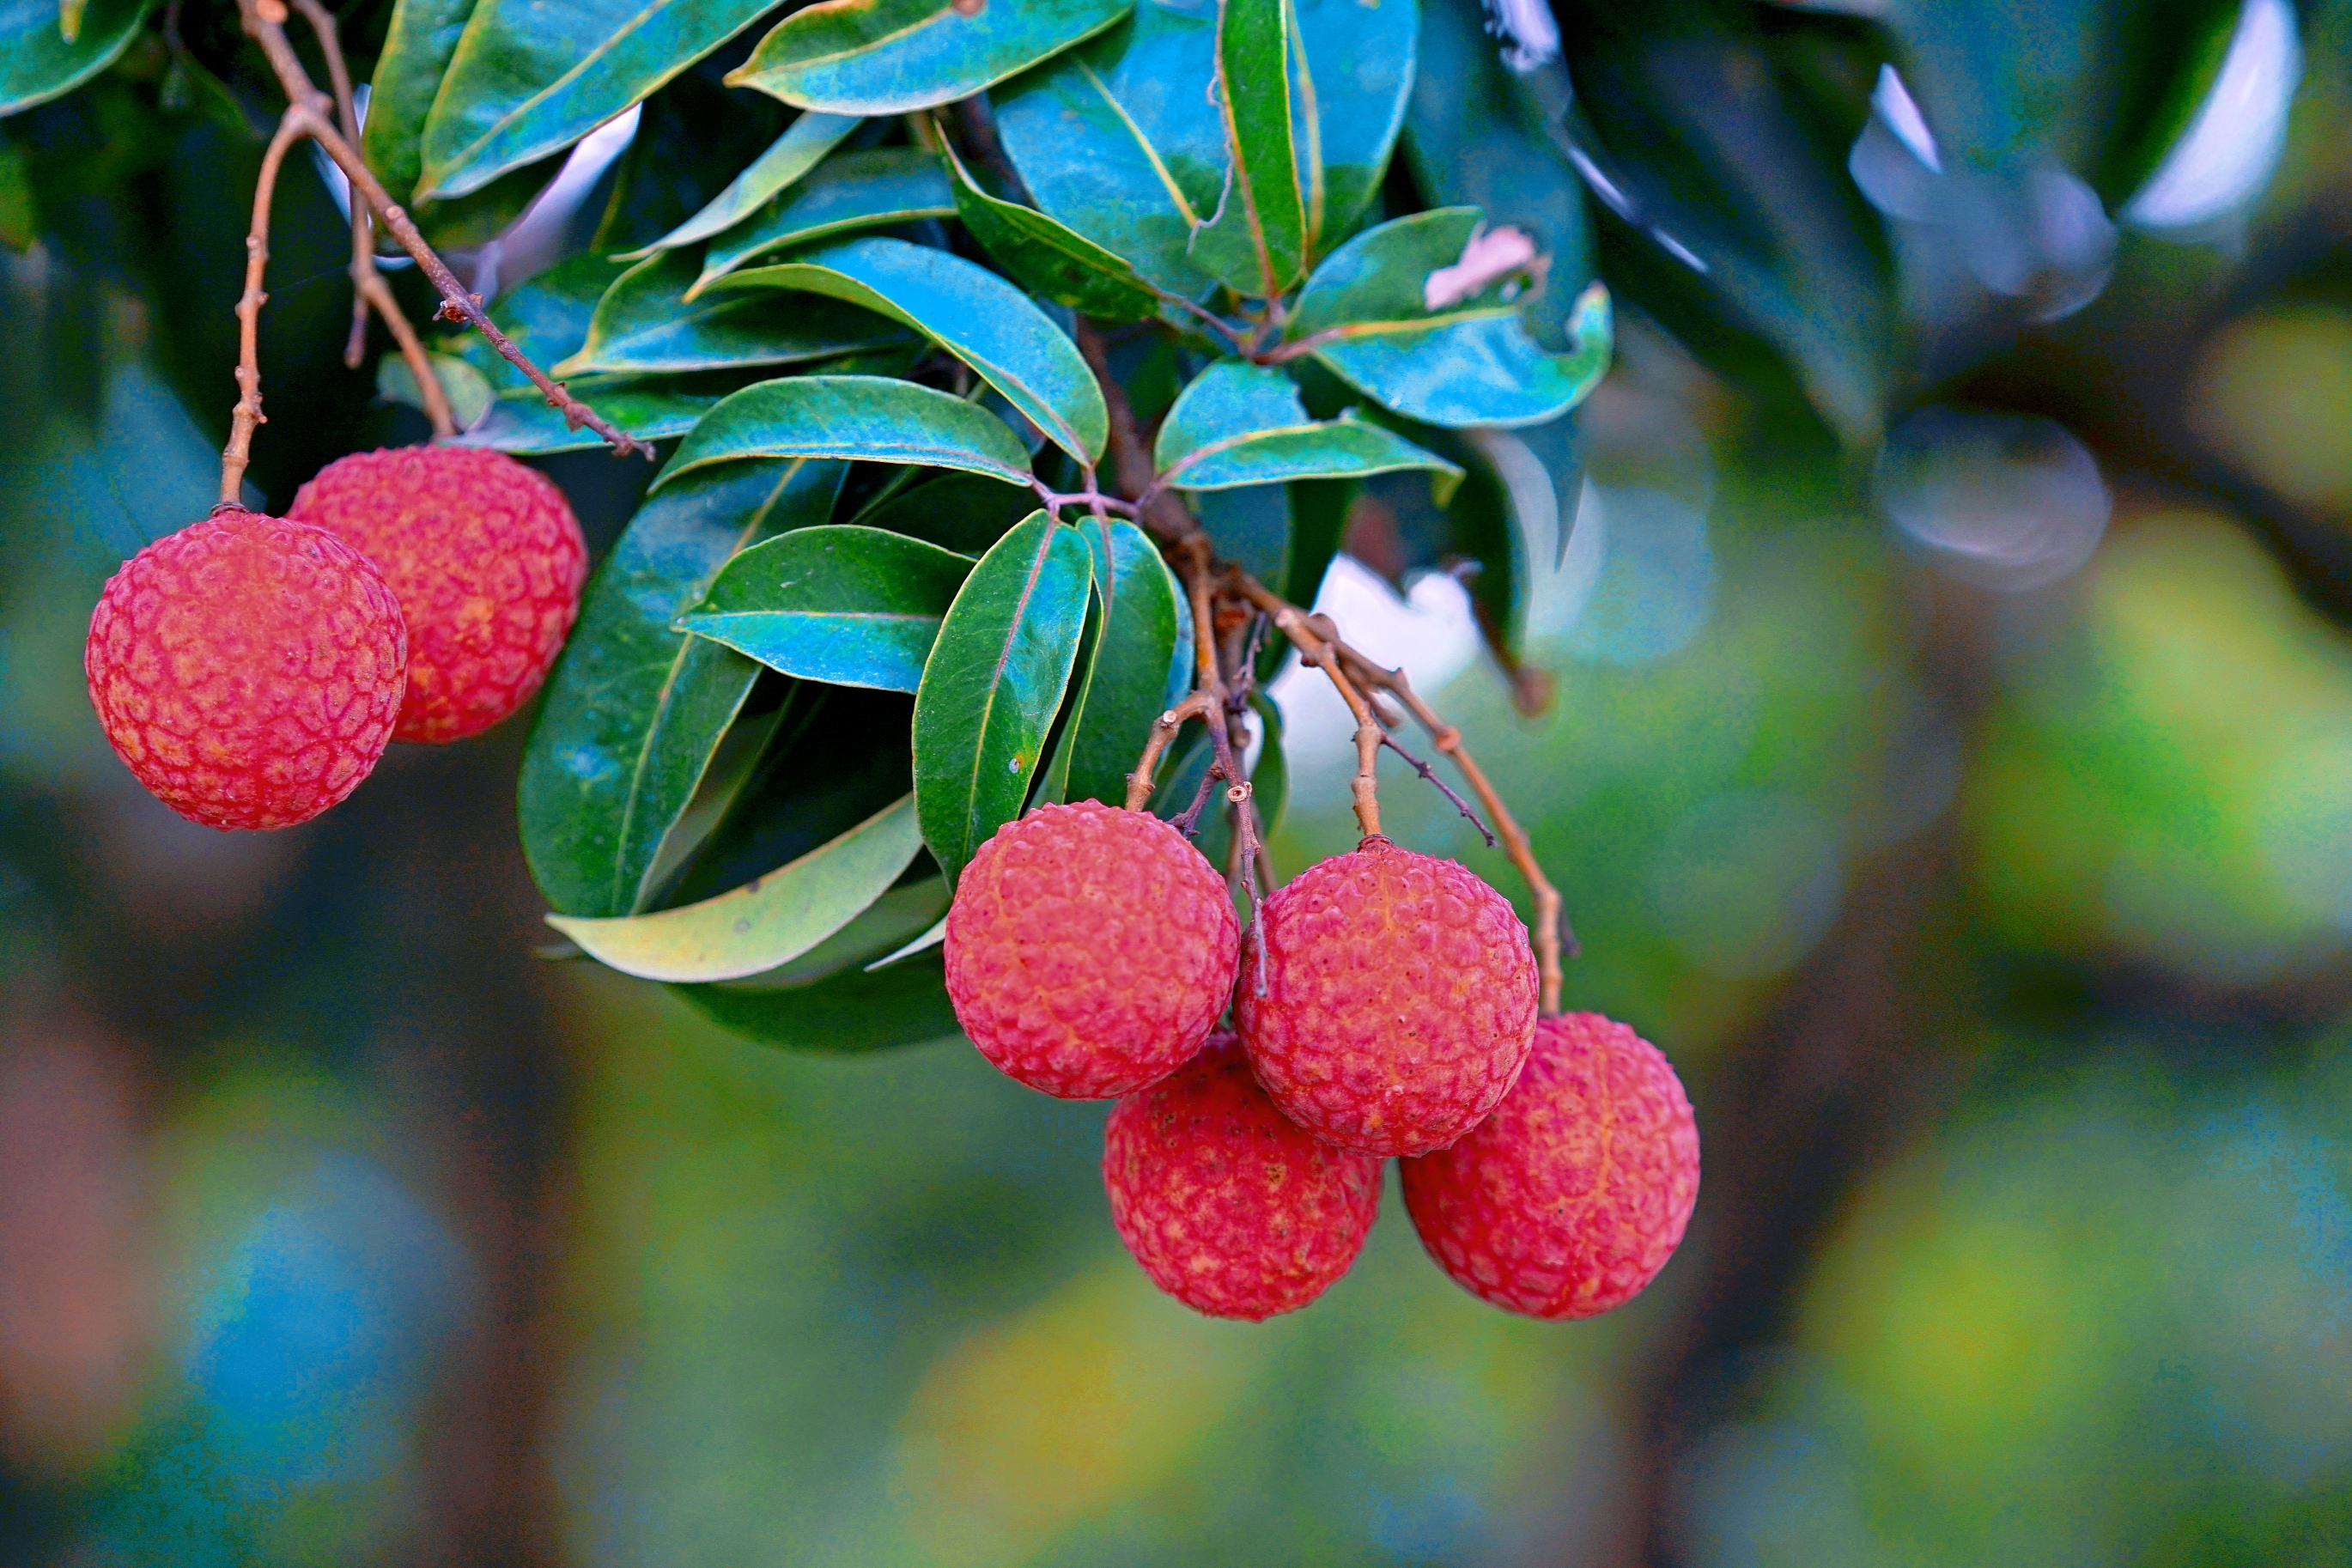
(800, 149)
(845, 605)
(891, 56)
(853, 190)
(38, 62)
(1256, 243)
(1053, 781)
(645, 323)
(974, 315)
(874, 418)
(528, 78)
(1362, 316)
(767, 921)
(1241, 424)
(652, 409)
(847, 1012)
(20, 220)
(418, 45)
(1120, 141)
(693, 137)
(1138, 642)
(993, 683)
(957, 510)
(635, 708)
(1048, 260)
(468, 390)
(1352, 70)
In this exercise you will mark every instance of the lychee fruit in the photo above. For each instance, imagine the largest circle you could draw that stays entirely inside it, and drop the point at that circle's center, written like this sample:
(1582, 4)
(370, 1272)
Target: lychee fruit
(1396, 1001)
(488, 561)
(1232, 1207)
(1571, 1198)
(247, 668)
(1090, 950)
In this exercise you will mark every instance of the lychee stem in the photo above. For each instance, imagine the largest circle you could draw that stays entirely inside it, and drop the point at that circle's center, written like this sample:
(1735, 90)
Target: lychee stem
(1140, 783)
(247, 416)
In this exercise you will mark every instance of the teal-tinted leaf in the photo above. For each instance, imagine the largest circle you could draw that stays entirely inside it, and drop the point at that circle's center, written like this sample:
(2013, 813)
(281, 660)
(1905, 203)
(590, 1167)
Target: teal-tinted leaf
(529, 78)
(965, 512)
(853, 191)
(1256, 242)
(38, 62)
(693, 139)
(1239, 423)
(845, 605)
(468, 390)
(767, 921)
(1468, 363)
(874, 418)
(656, 409)
(847, 1012)
(635, 708)
(418, 44)
(1128, 687)
(974, 315)
(994, 681)
(890, 56)
(1120, 141)
(645, 323)
(800, 149)
(1050, 260)
(1351, 68)
(1054, 777)
(548, 318)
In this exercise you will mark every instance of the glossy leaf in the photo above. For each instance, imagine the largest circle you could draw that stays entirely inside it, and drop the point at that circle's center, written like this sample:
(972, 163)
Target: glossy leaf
(693, 139)
(994, 681)
(653, 409)
(800, 149)
(1118, 140)
(1053, 781)
(957, 510)
(847, 1012)
(38, 62)
(635, 708)
(845, 605)
(1473, 363)
(1137, 644)
(972, 313)
(1239, 423)
(418, 44)
(874, 418)
(645, 324)
(895, 926)
(853, 190)
(1256, 242)
(767, 921)
(528, 79)
(1352, 67)
(891, 56)
(1050, 260)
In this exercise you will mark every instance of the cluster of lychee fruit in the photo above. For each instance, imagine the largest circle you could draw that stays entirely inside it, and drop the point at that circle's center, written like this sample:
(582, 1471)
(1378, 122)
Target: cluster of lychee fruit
(251, 669)
(1383, 1004)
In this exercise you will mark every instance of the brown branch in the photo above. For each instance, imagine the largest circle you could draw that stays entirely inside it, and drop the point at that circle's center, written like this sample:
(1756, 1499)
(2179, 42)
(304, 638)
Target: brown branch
(1197, 565)
(247, 416)
(1322, 652)
(1140, 783)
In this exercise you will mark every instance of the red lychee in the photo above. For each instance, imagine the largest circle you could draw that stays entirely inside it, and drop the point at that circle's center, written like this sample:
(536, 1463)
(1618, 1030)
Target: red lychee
(1232, 1207)
(487, 559)
(1571, 1196)
(1090, 950)
(247, 668)
(1396, 1001)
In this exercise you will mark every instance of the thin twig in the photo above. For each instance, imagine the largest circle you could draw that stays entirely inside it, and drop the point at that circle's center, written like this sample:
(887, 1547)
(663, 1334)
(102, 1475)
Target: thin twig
(1140, 782)
(1430, 776)
(1197, 565)
(247, 416)
(1321, 652)
(369, 290)
(1091, 498)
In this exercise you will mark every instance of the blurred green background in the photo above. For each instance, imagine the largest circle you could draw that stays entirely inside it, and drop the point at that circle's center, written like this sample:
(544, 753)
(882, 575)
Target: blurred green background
(1969, 816)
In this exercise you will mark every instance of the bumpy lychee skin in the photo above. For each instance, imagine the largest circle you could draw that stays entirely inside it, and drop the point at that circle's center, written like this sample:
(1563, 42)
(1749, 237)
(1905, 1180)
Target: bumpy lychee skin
(1571, 1196)
(488, 561)
(1090, 950)
(247, 668)
(1396, 1003)
(1232, 1207)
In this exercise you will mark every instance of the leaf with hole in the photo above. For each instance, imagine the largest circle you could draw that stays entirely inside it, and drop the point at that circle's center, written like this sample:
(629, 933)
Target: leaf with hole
(852, 191)
(846, 605)
(892, 56)
(873, 418)
(1239, 423)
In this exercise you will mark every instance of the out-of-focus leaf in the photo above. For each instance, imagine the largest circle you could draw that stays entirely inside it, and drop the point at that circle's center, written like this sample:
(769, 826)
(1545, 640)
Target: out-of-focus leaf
(39, 62)
(1128, 689)
(1255, 243)
(1318, 510)
(1239, 423)
(891, 56)
(693, 139)
(965, 512)
(847, 1012)
(635, 708)
(468, 390)
(20, 221)
(873, 418)
(1119, 142)
(655, 408)
(766, 922)
(994, 684)
(1469, 363)
(1352, 66)
(528, 78)
(800, 149)
(418, 48)
(645, 324)
(972, 313)
(845, 605)
(1051, 261)
(852, 191)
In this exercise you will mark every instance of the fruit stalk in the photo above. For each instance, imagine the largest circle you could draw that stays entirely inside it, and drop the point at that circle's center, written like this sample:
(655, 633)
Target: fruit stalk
(247, 416)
